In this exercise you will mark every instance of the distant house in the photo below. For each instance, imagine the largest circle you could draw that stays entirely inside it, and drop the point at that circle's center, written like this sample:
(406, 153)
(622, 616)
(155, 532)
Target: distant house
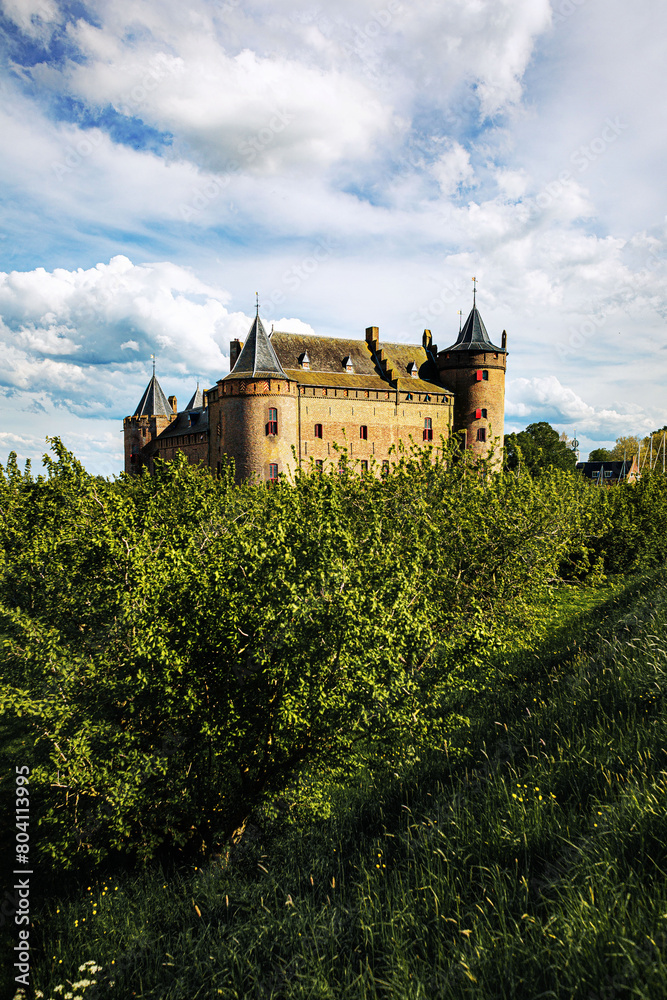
(609, 473)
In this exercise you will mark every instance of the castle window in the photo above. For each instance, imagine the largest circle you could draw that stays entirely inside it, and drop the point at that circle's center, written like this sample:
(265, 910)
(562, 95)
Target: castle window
(482, 375)
(409, 397)
(427, 398)
(273, 472)
(364, 466)
(413, 371)
(363, 432)
(305, 360)
(318, 430)
(272, 425)
(319, 465)
(428, 429)
(478, 414)
(347, 364)
(385, 467)
(481, 434)
(484, 414)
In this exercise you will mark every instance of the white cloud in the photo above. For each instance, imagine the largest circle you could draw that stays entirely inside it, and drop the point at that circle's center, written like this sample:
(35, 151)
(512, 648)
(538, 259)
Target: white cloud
(453, 169)
(35, 18)
(64, 333)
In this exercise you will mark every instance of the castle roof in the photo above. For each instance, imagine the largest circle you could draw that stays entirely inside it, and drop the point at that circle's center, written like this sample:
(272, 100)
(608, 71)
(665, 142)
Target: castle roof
(153, 403)
(473, 336)
(197, 400)
(258, 358)
(330, 357)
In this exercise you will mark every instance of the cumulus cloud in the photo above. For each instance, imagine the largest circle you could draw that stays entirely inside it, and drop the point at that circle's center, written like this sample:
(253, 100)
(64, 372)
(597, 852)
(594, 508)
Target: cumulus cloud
(64, 333)
(545, 398)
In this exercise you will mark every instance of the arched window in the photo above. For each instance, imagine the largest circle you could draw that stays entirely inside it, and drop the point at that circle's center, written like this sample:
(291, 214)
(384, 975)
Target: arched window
(273, 472)
(363, 432)
(272, 425)
(318, 430)
(428, 429)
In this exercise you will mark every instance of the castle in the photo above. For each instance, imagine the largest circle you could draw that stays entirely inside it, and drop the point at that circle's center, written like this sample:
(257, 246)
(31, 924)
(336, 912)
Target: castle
(289, 398)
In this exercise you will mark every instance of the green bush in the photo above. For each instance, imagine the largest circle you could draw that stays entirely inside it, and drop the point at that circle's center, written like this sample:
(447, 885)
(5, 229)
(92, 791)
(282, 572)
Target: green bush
(174, 647)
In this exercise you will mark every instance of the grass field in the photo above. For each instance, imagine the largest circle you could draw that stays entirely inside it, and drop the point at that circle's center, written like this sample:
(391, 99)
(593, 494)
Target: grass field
(526, 858)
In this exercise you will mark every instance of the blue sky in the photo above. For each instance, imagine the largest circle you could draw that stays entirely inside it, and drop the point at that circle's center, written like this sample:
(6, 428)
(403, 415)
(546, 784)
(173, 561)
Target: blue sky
(354, 163)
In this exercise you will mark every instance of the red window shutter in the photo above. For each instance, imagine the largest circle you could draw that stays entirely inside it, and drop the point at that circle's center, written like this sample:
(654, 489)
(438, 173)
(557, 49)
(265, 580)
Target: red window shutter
(478, 375)
(478, 414)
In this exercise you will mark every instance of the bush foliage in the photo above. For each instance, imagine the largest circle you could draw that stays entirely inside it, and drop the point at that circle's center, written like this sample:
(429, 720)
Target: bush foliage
(175, 647)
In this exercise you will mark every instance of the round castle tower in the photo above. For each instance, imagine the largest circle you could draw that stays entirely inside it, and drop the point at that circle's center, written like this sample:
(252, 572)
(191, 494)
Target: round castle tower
(474, 370)
(253, 411)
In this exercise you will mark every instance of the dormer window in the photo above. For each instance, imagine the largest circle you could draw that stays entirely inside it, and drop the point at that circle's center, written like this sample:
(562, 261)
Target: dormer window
(413, 371)
(304, 361)
(347, 365)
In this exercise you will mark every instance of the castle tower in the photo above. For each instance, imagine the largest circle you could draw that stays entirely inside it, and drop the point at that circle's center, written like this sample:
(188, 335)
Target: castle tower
(474, 370)
(253, 411)
(150, 418)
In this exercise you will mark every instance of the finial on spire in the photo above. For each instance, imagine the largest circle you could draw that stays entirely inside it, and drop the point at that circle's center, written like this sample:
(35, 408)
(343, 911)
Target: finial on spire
(257, 302)
(460, 319)
(474, 292)
(153, 357)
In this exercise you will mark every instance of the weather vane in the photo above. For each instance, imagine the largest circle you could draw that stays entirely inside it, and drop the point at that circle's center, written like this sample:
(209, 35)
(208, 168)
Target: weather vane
(257, 302)
(153, 357)
(474, 291)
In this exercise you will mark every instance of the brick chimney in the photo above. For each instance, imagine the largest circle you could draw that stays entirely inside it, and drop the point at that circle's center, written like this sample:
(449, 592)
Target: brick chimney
(235, 348)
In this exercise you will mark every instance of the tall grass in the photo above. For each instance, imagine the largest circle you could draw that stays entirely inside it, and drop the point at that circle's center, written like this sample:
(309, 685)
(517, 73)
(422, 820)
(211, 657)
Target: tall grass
(527, 858)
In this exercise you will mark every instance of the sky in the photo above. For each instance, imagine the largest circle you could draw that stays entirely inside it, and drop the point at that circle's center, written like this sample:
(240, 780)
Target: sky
(355, 164)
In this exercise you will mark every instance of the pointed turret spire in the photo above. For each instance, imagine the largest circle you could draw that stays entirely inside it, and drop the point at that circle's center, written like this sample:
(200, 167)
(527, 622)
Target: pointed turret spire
(473, 335)
(197, 400)
(258, 357)
(153, 403)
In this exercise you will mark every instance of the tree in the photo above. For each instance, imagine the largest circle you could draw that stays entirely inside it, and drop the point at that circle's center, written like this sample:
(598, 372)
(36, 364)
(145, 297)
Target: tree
(537, 449)
(625, 447)
(600, 455)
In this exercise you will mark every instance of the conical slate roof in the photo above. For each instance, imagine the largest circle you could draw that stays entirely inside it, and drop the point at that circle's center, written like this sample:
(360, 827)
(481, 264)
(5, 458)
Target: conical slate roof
(197, 400)
(153, 403)
(473, 336)
(258, 358)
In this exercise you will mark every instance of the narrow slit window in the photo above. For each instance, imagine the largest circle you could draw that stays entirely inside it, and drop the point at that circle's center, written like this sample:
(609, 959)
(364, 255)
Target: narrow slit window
(363, 432)
(428, 429)
(272, 425)
(318, 430)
